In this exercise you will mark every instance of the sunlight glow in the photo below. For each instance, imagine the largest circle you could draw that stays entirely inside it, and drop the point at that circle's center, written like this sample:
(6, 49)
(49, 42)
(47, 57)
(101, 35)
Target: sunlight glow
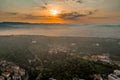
(54, 12)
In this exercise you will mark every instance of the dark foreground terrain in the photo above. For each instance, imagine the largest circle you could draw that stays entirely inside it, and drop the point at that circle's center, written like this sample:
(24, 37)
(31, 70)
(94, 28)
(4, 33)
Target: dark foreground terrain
(60, 58)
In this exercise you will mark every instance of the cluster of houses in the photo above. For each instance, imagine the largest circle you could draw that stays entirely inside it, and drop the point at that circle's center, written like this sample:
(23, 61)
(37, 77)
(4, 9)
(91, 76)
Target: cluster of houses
(103, 58)
(116, 62)
(115, 75)
(10, 71)
(57, 49)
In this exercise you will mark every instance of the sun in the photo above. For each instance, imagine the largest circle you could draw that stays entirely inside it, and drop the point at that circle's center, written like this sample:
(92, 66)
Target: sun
(54, 12)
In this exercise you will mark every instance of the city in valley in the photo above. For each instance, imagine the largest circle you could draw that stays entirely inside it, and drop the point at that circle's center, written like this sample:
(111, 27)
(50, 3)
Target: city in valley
(59, 58)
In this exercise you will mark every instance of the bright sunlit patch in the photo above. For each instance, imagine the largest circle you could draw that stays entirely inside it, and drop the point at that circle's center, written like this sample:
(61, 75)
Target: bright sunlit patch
(54, 12)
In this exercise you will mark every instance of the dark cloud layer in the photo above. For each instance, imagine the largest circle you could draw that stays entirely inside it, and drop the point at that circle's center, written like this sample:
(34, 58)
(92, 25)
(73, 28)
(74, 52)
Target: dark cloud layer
(75, 15)
(72, 15)
(12, 13)
(9, 13)
(29, 16)
(79, 1)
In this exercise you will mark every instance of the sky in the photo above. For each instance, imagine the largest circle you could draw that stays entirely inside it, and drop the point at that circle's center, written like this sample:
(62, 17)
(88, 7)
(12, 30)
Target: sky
(60, 11)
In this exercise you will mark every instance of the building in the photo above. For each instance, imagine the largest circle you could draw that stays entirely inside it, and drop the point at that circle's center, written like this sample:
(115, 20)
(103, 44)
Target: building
(116, 62)
(113, 77)
(52, 79)
(16, 77)
(10, 71)
(6, 74)
(22, 72)
(117, 72)
(97, 77)
(75, 78)
(1, 78)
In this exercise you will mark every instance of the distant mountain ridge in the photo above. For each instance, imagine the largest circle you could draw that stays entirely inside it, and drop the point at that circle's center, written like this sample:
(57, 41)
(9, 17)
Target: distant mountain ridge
(12, 23)
(27, 23)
